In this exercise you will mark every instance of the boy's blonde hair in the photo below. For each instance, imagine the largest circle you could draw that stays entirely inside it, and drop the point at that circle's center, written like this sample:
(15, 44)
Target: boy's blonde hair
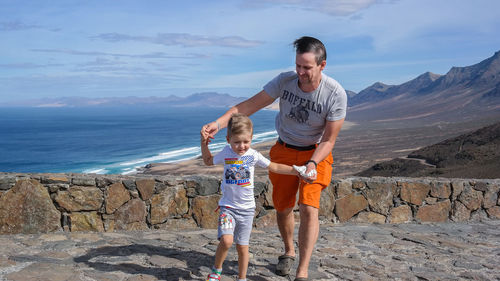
(239, 124)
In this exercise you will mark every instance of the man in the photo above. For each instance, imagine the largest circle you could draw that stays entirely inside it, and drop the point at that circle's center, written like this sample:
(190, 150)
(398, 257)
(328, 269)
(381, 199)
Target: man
(312, 111)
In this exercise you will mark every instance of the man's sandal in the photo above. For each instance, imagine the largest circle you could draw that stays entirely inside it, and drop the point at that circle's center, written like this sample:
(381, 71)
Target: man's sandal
(213, 277)
(284, 265)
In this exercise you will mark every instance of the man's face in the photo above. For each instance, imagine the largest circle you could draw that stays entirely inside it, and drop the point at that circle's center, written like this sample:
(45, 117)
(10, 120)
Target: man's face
(308, 70)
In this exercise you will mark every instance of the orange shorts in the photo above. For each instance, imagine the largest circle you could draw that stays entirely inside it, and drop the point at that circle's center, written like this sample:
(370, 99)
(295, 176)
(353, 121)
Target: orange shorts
(285, 186)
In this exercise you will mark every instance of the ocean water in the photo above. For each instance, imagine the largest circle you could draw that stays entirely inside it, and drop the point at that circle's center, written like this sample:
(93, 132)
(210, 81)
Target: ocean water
(111, 140)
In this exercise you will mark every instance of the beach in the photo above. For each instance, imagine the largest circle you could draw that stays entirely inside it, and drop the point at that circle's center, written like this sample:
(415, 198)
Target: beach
(196, 166)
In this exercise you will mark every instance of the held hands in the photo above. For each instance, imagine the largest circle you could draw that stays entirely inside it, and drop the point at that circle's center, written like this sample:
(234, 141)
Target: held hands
(208, 131)
(307, 172)
(204, 138)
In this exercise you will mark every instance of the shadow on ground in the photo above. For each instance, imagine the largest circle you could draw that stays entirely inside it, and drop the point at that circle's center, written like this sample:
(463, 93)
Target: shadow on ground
(117, 258)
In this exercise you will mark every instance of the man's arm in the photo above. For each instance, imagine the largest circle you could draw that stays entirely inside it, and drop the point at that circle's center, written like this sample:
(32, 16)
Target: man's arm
(326, 144)
(247, 107)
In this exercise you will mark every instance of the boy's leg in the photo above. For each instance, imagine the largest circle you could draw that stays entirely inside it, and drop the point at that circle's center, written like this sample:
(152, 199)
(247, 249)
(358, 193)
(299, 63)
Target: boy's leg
(243, 258)
(242, 232)
(222, 249)
(225, 234)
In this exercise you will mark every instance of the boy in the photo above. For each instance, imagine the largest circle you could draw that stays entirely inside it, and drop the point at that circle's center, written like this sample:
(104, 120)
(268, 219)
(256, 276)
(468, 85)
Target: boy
(237, 204)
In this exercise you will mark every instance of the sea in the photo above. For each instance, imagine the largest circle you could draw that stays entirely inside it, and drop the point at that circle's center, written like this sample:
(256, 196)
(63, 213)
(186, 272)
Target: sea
(109, 140)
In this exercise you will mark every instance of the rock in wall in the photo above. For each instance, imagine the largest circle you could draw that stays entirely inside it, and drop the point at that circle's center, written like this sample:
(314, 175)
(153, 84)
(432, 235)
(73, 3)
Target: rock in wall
(34, 203)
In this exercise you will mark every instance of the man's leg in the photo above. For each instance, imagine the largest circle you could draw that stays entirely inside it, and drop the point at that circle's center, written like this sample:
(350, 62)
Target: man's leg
(286, 224)
(285, 189)
(309, 203)
(308, 235)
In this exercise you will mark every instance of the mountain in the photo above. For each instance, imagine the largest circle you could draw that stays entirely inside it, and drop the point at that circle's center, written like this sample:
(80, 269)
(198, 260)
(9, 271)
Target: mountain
(206, 99)
(350, 94)
(471, 155)
(464, 93)
(380, 91)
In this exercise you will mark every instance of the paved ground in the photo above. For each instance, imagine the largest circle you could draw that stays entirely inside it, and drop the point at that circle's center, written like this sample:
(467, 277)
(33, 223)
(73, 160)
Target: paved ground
(448, 251)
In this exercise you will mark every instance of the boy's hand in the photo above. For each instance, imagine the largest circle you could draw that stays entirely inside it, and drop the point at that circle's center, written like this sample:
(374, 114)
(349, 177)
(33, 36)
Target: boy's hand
(209, 130)
(311, 173)
(307, 175)
(204, 138)
(300, 169)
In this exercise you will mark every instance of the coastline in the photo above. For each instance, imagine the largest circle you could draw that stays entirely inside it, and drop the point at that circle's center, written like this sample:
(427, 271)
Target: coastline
(196, 166)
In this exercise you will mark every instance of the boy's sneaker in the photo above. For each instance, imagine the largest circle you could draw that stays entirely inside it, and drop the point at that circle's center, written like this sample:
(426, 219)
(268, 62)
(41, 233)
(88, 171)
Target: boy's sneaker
(213, 277)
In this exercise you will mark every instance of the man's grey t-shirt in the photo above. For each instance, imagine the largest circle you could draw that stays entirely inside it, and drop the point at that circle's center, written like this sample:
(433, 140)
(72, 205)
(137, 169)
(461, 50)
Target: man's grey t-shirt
(302, 117)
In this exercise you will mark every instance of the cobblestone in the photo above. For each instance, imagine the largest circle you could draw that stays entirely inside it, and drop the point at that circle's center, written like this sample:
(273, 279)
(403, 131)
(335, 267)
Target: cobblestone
(445, 251)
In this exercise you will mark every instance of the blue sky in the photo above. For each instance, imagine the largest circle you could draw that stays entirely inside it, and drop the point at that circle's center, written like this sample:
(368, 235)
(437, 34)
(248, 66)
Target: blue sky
(158, 48)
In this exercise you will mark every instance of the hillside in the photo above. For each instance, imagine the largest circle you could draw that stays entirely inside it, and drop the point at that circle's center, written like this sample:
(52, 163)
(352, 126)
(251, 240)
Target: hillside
(464, 93)
(471, 155)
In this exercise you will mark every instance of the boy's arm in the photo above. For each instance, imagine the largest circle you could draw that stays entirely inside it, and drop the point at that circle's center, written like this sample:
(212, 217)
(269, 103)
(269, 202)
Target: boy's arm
(282, 169)
(208, 159)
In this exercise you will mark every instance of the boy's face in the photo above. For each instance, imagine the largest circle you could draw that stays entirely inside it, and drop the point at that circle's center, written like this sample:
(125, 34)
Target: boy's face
(240, 143)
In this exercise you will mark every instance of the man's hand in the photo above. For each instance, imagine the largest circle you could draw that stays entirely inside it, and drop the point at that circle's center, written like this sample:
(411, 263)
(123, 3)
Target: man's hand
(310, 174)
(306, 174)
(208, 131)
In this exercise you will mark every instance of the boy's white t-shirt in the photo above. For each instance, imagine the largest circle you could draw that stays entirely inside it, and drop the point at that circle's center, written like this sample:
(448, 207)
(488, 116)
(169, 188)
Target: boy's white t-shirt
(237, 179)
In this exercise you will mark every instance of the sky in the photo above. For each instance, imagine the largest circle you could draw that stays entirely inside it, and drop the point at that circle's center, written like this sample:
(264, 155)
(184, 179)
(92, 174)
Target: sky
(104, 48)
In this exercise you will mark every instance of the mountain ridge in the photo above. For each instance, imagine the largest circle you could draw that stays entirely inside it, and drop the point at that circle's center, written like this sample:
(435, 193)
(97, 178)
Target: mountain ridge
(464, 93)
(206, 99)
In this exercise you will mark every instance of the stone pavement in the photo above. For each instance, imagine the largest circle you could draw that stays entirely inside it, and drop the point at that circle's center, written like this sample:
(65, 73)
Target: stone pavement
(447, 251)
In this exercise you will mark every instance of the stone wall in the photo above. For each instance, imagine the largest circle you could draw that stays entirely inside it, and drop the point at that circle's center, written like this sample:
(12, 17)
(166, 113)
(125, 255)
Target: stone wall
(34, 203)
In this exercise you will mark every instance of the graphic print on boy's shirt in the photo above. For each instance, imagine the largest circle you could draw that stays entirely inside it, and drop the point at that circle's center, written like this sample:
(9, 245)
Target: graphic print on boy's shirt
(237, 184)
(237, 170)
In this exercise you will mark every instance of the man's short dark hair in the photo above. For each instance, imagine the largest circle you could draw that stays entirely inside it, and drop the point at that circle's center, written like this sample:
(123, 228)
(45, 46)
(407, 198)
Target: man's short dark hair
(308, 44)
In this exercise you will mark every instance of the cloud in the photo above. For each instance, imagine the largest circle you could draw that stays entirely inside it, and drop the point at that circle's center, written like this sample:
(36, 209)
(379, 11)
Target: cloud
(103, 66)
(183, 39)
(14, 26)
(387, 64)
(343, 7)
(17, 26)
(103, 62)
(254, 79)
(155, 55)
(28, 65)
(330, 7)
(135, 71)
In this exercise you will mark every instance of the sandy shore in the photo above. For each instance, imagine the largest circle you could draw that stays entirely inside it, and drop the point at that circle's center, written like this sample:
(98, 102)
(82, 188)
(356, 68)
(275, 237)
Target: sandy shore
(196, 166)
